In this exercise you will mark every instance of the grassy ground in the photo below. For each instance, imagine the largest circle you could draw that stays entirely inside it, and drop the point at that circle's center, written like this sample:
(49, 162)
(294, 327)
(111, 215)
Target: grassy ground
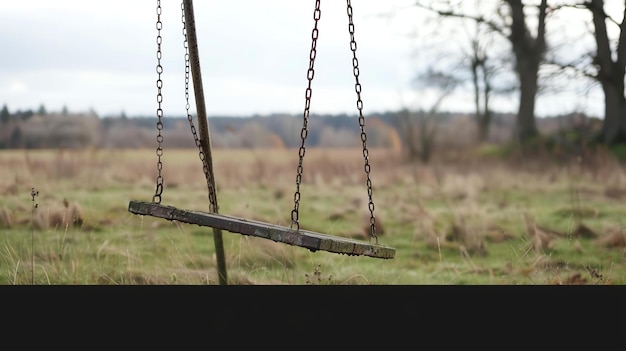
(466, 222)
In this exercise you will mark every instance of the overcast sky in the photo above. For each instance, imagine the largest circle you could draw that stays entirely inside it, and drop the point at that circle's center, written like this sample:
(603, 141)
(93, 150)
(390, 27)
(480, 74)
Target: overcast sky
(254, 57)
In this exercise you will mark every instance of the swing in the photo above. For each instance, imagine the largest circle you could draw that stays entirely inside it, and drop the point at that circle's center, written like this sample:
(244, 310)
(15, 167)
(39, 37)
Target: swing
(292, 235)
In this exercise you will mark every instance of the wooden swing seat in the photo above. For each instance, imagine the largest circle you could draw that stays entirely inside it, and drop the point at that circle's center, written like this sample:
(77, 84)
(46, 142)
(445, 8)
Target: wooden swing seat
(303, 238)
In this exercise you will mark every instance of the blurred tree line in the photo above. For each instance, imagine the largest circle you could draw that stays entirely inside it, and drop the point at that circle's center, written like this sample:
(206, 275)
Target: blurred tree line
(384, 130)
(79, 130)
(489, 49)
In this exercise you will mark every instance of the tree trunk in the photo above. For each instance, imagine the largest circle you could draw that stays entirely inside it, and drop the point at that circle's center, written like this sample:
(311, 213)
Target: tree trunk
(482, 114)
(428, 129)
(486, 120)
(528, 54)
(610, 75)
(614, 125)
(526, 127)
(477, 114)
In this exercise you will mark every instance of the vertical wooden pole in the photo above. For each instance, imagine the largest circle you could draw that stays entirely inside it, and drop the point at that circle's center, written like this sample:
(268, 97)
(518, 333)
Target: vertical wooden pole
(203, 129)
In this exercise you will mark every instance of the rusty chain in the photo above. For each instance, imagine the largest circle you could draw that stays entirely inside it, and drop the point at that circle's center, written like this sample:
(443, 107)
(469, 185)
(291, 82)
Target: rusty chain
(208, 176)
(359, 105)
(295, 220)
(159, 83)
(303, 134)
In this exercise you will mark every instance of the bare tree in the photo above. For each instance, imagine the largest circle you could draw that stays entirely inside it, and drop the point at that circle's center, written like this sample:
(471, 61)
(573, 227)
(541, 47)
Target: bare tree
(529, 52)
(602, 61)
(512, 21)
(483, 73)
(611, 67)
(420, 127)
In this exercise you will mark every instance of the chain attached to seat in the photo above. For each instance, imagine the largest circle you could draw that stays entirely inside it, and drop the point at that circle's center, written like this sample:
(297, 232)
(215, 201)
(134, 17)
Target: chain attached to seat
(359, 105)
(295, 217)
(159, 83)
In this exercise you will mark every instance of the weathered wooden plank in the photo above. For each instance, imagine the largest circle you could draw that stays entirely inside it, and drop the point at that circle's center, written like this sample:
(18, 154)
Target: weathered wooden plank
(303, 238)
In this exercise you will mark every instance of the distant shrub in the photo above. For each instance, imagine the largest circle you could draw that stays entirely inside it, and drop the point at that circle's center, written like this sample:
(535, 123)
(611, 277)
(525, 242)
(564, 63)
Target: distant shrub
(619, 151)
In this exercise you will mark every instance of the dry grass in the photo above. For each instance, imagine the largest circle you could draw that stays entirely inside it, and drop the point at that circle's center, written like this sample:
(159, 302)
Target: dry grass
(254, 253)
(6, 218)
(58, 216)
(451, 222)
(614, 238)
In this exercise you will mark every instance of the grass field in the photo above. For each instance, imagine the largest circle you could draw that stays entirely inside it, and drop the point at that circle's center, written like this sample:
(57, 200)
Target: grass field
(472, 221)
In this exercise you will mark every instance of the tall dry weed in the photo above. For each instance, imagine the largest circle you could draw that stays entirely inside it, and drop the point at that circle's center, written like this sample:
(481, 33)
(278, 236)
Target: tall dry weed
(541, 238)
(69, 215)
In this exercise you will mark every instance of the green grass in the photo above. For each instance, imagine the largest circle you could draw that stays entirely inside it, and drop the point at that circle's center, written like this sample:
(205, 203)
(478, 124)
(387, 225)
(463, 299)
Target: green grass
(113, 246)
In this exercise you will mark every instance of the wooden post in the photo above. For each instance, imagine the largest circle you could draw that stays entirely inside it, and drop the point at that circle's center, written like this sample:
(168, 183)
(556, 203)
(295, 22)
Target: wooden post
(203, 129)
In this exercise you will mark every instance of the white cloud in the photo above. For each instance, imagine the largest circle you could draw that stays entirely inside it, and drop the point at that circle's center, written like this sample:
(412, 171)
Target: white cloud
(16, 87)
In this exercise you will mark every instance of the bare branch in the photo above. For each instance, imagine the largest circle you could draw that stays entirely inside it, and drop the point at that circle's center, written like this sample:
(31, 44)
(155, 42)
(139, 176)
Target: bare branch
(621, 44)
(496, 27)
(572, 66)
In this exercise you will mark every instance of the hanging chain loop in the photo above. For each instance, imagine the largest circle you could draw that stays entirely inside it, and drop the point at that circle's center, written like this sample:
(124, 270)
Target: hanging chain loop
(295, 219)
(208, 176)
(159, 83)
(359, 105)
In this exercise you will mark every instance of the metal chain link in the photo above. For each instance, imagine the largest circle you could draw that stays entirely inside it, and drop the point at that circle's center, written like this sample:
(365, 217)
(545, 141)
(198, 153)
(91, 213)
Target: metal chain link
(359, 105)
(295, 220)
(159, 83)
(208, 176)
